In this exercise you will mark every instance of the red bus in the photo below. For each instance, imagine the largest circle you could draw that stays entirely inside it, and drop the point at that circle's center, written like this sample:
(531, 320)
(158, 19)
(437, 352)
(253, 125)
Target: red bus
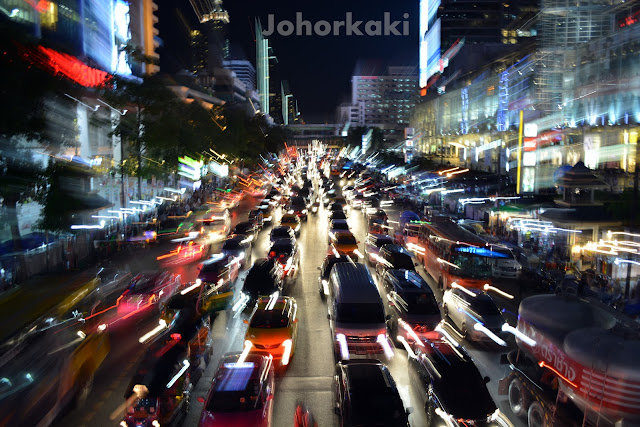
(451, 254)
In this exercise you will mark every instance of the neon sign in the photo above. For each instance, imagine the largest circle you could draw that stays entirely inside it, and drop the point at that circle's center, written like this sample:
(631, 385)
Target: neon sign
(69, 66)
(481, 252)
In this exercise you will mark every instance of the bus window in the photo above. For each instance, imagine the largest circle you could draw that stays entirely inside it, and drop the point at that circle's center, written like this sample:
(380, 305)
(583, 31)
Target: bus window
(471, 266)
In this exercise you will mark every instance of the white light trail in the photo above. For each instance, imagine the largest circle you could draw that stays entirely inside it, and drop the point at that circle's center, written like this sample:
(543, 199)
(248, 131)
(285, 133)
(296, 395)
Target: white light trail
(245, 352)
(481, 328)
(527, 340)
(411, 332)
(182, 370)
(406, 345)
(384, 342)
(162, 324)
(344, 348)
(488, 287)
(287, 351)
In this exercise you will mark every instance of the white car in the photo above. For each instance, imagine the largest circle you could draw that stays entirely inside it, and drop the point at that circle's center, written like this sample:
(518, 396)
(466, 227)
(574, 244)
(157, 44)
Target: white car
(466, 307)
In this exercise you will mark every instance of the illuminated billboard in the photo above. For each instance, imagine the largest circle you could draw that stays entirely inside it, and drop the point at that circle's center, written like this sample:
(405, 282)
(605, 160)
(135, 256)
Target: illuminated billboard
(121, 36)
(97, 39)
(429, 40)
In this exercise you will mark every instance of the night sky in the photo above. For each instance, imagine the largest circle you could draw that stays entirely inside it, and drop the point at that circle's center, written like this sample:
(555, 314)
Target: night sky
(318, 68)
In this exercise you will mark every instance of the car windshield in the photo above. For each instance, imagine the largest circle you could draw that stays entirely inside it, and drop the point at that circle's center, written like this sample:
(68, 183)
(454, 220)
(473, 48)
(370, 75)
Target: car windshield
(234, 390)
(346, 239)
(340, 226)
(269, 319)
(471, 266)
(338, 215)
(231, 244)
(384, 241)
(278, 233)
(484, 307)
(213, 267)
(401, 261)
(419, 303)
(282, 246)
(360, 313)
(142, 284)
(242, 228)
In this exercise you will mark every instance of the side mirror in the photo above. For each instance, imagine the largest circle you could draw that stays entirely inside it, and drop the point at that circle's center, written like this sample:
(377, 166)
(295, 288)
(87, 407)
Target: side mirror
(486, 379)
(200, 399)
(269, 397)
(295, 320)
(245, 321)
(318, 268)
(328, 316)
(388, 317)
(504, 359)
(409, 410)
(336, 409)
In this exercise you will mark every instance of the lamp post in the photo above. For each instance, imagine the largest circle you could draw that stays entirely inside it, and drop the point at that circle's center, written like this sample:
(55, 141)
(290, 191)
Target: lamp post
(122, 194)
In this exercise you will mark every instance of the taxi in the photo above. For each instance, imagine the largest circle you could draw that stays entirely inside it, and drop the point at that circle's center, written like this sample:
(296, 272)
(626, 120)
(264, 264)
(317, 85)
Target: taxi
(273, 328)
(344, 243)
(292, 221)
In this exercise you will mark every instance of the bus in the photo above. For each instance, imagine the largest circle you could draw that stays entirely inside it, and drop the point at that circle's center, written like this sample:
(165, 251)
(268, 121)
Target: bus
(450, 254)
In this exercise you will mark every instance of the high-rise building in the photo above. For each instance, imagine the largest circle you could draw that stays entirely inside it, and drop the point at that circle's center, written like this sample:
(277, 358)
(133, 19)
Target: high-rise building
(382, 100)
(245, 71)
(262, 68)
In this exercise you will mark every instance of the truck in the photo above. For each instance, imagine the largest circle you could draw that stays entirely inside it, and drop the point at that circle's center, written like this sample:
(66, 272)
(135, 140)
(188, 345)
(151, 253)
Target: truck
(575, 364)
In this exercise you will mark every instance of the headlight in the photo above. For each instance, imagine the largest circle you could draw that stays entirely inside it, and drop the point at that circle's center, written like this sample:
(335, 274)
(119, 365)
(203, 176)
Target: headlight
(304, 211)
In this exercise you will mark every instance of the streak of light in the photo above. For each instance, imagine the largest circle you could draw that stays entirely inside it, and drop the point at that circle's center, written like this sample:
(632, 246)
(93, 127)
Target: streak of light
(182, 370)
(245, 352)
(528, 340)
(162, 324)
(488, 287)
(287, 351)
(481, 328)
(344, 348)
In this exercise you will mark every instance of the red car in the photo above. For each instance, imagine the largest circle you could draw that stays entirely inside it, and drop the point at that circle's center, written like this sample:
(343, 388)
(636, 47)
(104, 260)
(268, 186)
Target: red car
(241, 394)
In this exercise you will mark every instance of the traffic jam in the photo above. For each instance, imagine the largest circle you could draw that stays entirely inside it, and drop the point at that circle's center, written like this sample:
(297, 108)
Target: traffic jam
(308, 276)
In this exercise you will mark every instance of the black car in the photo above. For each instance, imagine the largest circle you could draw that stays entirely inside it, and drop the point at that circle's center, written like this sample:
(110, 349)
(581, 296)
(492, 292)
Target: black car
(247, 228)
(366, 395)
(325, 270)
(264, 278)
(394, 257)
(281, 233)
(238, 246)
(337, 215)
(299, 206)
(448, 382)
(410, 303)
(286, 252)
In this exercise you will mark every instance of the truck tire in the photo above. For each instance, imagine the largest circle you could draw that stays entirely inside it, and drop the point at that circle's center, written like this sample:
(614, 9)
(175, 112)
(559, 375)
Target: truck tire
(517, 398)
(535, 417)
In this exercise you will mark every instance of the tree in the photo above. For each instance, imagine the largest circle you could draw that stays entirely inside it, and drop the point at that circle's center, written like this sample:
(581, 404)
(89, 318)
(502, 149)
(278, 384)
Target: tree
(24, 90)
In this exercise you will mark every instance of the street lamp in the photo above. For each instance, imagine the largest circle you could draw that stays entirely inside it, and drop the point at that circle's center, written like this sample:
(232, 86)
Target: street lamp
(122, 160)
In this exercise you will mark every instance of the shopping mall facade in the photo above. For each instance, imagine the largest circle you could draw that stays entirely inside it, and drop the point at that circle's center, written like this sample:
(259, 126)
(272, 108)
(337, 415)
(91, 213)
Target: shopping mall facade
(575, 96)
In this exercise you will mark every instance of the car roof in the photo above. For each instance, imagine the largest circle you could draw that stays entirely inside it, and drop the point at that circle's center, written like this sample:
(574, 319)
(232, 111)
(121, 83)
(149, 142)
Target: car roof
(368, 376)
(338, 221)
(407, 281)
(289, 216)
(342, 233)
(356, 283)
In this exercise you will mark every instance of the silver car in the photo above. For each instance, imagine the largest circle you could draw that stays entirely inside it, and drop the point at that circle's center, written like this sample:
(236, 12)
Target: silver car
(467, 307)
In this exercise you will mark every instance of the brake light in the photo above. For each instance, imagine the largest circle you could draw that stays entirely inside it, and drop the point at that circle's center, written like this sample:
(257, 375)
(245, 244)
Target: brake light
(272, 254)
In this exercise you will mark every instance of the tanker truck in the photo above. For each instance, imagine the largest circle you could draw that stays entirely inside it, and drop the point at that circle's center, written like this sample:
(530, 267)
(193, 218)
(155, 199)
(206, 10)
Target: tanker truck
(576, 364)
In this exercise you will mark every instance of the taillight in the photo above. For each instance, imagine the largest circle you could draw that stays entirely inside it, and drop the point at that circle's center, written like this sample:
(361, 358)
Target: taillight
(272, 254)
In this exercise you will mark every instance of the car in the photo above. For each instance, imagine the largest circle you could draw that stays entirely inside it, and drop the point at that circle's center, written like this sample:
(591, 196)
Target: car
(344, 243)
(394, 257)
(274, 194)
(357, 200)
(372, 245)
(466, 307)
(450, 385)
(267, 211)
(158, 393)
(147, 292)
(215, 224)
(287, 253)
(265, 277)
(247, 228)
(325, 270)
(298, 206)
(333, 207)
(256, 218)
(315, 206)
(273, 328)
(292, 221)
(336, 215)
(409, 304)
(241, 393)
(366, 394)
(337, 225)
(281, 233)
(238, 246)
(217, 277)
